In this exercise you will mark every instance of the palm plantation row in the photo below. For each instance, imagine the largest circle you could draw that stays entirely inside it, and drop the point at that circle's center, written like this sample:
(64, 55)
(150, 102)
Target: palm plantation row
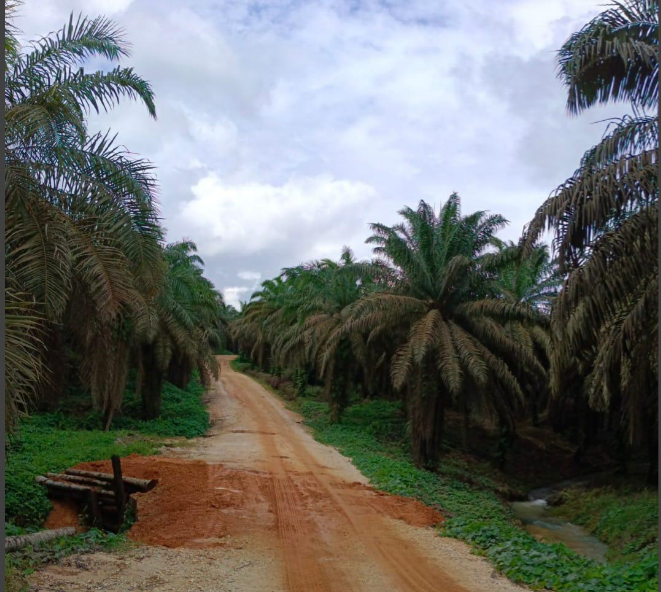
(446, 315)
(89, 281)
(449, 316)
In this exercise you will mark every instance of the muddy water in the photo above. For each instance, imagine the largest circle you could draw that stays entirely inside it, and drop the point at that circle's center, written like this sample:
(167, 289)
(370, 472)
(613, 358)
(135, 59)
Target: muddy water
(538, 521)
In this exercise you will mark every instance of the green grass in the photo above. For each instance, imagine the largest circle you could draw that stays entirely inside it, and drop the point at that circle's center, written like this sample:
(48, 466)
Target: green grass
(372, 434)
(624, 518)
(52, 442)
(183, 413)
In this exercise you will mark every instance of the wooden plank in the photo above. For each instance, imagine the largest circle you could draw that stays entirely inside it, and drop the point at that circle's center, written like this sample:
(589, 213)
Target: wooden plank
(80, 480)
(120, 494)
(130, 483)
(93, 508)
(71, 489)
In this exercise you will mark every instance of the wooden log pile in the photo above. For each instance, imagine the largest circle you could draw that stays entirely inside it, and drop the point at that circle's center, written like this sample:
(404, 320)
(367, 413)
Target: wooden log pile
(105, 495)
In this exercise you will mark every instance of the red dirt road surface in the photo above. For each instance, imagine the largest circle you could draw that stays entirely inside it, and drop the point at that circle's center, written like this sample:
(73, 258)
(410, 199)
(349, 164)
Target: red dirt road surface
(260, 498)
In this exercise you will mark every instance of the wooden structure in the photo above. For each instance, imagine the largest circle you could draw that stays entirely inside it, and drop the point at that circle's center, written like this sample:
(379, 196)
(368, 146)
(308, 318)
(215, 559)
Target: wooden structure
(105, 495)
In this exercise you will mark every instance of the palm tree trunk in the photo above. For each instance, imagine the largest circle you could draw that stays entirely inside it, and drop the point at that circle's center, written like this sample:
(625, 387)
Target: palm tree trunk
(152, 385)
(179, 372)
(653, 470)
(140, 373)
(52, 387)
(108, 415)
(339, 398)
(466, 422)
(427, 421)
(534, 405)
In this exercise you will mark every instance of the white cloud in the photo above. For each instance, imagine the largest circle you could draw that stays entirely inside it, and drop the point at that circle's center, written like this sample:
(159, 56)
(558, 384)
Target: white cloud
(284, 128)
(106, 7)
(233, 295)
(250, 218)
(249, 275)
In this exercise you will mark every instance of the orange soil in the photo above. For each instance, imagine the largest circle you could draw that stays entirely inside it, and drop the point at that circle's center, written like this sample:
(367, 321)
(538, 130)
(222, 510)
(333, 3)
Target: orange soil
(64, 513)
(196, 504)
(259, 478)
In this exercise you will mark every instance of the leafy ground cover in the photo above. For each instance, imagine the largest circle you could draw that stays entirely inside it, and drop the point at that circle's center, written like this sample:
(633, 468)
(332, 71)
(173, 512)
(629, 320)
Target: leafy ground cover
(21, 563)
(52, 442)
(373, 434)
(183, 413)
(622, 515)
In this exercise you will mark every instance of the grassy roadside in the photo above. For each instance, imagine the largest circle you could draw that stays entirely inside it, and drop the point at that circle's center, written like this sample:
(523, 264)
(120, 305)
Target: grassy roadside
(373, 436)
(52, 442)
(621, 515)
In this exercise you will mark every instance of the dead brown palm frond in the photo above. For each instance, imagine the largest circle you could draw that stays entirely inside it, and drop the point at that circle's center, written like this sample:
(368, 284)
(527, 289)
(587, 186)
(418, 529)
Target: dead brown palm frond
(424, 334)
(449, 360)
(469, 355)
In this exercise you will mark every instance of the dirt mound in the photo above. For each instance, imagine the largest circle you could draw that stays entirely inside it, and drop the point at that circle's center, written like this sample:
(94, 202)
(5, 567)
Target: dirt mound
(195, 504)
(64, 513)
(409, 510)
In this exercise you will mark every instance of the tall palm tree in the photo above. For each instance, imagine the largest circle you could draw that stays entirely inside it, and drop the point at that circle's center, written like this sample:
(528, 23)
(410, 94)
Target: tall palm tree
(439, 294)
(191, 326)
(531, 278)
(325, 291)
(269, 311)
(605, 218)
(81, 222)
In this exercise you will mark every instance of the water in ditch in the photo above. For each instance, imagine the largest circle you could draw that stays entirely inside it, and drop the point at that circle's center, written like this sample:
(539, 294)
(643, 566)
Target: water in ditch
(538, 520)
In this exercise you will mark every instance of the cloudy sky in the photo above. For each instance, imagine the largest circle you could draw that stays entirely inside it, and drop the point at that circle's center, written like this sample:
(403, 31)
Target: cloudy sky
(286, 126)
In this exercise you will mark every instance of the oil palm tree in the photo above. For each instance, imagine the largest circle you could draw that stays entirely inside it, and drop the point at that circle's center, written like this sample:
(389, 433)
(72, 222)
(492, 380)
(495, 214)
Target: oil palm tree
(439, 294)
(605, 218)
(80, 213)
(190, 327)
(269, 312)
(325, 290)
(530, 277)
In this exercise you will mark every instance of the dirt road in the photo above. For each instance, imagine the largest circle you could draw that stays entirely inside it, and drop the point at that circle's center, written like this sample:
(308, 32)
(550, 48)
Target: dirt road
(259, 505)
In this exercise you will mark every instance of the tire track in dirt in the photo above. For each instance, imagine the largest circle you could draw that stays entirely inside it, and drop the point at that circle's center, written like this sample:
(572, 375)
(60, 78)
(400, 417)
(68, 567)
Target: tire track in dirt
(302, 566)
(407, 569)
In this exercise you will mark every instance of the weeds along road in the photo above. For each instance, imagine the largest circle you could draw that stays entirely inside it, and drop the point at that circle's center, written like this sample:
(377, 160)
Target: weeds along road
(258, 504)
